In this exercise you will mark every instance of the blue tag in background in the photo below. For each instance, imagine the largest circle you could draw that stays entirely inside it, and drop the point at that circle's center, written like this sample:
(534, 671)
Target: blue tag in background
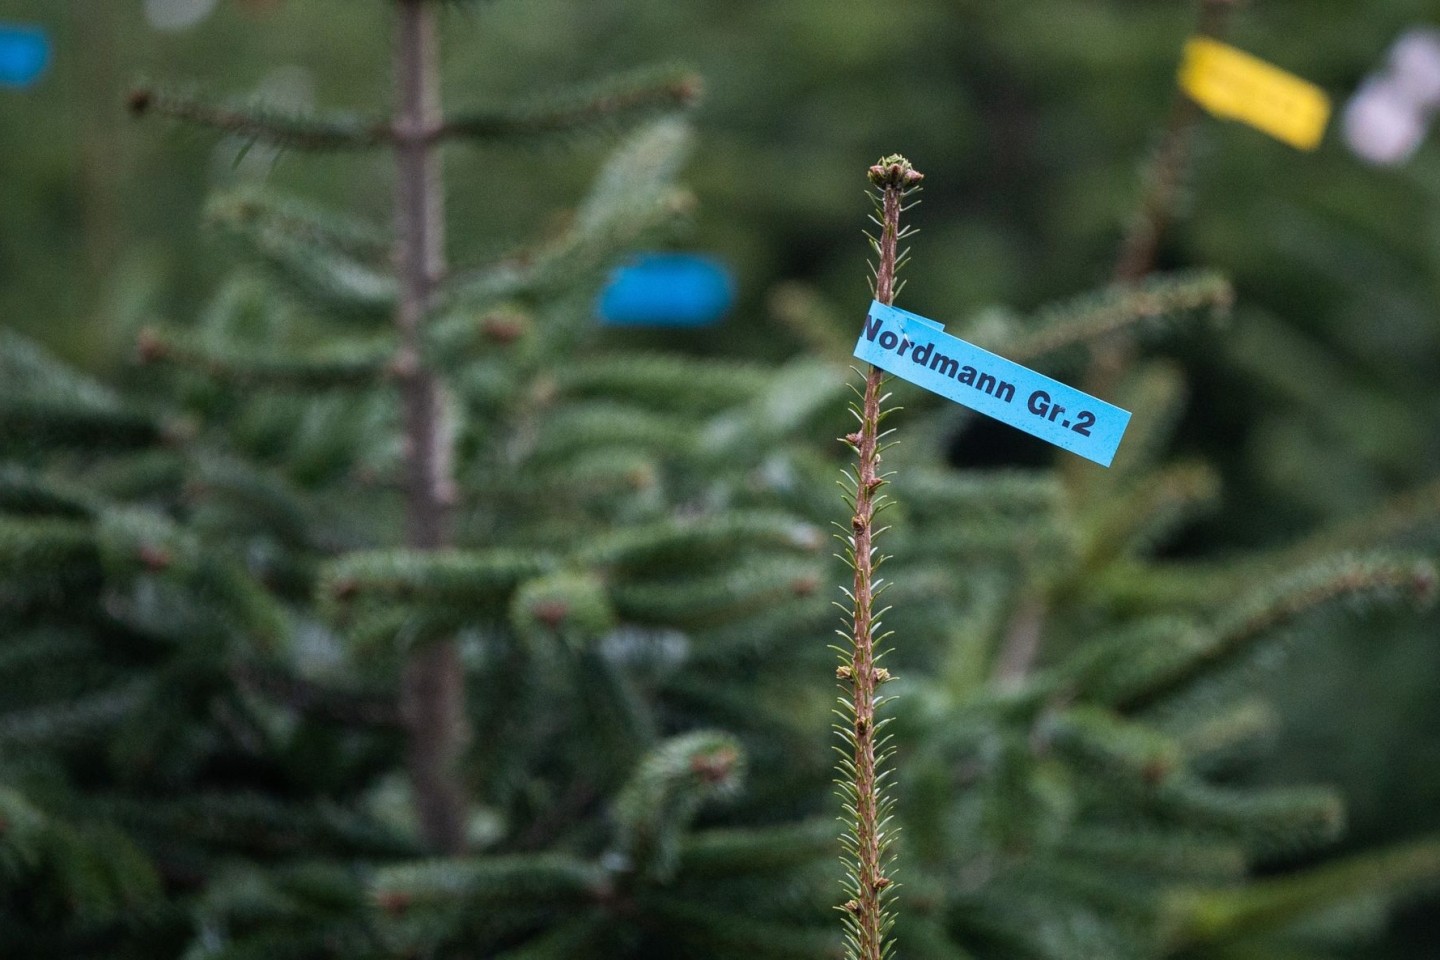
(667, 290)
(919, 350)
(24, 54)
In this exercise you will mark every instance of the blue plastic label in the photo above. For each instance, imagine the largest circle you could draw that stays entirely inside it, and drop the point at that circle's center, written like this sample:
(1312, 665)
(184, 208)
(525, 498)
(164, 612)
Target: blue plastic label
(920, 351)
(24, 54)
(667, 290)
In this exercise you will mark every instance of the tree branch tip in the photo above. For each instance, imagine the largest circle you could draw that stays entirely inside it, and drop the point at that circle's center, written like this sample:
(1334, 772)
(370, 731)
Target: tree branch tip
(139, 100)
(1424, 582)
(689, 88)
(178, 431)
(150, 347)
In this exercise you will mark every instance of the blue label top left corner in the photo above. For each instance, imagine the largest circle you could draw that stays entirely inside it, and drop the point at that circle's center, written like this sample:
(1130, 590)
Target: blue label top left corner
(25, 53)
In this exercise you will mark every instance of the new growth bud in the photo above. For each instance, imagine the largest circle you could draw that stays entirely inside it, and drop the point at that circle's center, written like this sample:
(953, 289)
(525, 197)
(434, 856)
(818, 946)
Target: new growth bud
(716, 766)
(689, 88)
(139, 100)
(149, 346)
(504, 325)
(895, 171)
(154, 558)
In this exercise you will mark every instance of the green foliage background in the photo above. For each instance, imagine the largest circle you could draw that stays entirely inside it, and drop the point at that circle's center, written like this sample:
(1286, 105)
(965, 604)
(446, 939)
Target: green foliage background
(1031, 119)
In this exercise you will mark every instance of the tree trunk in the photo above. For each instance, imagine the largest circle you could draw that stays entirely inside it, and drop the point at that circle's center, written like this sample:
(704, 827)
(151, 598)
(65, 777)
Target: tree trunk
(432, 697)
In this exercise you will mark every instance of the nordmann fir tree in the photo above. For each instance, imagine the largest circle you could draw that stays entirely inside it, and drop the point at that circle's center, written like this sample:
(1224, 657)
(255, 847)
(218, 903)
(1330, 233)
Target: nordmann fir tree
(1064, 758)
(1070, 716)
(385, 618)
(1070, 711)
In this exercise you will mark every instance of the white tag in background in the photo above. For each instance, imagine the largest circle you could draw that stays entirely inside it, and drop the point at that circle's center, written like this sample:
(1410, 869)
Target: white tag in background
(1389, 116)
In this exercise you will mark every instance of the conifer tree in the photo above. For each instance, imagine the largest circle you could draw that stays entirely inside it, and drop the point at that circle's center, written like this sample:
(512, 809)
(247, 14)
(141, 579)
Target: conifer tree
(1126, 887)
(360, 487)
(1069, 714)
(387, 615)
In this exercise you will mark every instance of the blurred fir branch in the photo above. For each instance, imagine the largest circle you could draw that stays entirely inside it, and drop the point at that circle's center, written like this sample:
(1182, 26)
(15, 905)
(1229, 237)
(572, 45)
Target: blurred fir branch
(258, 122)
(611, 103)
(336, 365)
(608, 104)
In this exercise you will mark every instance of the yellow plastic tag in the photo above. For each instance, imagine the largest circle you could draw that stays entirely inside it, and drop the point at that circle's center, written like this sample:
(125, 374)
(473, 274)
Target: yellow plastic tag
(1234, 85)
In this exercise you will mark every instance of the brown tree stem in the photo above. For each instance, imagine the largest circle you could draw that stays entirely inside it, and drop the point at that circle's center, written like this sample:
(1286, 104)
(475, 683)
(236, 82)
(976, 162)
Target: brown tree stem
(1167, 171)
(868, 906)
(432, 696)
(868, 842)
(1164, 178)
(1141, 246)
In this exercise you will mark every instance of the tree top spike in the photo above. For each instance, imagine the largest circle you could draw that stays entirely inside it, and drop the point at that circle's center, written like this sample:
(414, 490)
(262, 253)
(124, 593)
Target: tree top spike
(895, 171)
